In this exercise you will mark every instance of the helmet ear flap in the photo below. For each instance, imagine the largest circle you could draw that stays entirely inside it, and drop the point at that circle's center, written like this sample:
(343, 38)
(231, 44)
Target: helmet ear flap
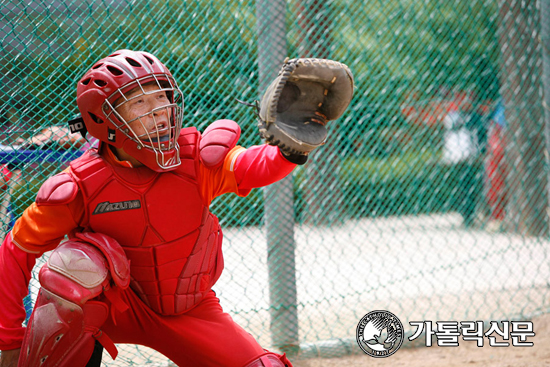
(95, 118)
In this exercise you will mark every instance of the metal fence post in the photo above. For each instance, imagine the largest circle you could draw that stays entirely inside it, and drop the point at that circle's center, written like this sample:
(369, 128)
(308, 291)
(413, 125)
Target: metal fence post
(279, 208)
(519, 33)
(545, 41)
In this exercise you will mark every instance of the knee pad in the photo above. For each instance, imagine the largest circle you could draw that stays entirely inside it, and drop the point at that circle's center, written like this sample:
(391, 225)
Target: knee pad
(270, 360)
(76, 272)
(66, 319)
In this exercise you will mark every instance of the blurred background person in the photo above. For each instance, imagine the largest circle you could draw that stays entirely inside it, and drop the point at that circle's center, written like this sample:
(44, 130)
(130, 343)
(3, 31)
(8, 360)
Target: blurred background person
(496, 168)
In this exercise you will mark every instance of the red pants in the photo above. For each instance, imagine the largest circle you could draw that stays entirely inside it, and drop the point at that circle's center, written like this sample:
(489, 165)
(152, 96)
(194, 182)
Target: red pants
(204, 336)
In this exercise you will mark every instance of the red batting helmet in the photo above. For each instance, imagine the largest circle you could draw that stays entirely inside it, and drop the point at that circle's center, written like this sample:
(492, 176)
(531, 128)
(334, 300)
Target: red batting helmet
(105, 87)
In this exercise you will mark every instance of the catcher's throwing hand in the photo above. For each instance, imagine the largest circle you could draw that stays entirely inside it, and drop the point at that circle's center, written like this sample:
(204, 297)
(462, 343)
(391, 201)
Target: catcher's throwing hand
(53, 136)
(297, 105)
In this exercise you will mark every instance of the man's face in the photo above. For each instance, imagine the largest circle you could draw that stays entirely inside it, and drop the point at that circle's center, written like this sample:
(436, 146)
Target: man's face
(147, 114)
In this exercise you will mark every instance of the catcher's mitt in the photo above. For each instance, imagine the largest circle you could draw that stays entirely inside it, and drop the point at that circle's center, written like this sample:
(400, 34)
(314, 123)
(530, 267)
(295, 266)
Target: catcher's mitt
(296, 106)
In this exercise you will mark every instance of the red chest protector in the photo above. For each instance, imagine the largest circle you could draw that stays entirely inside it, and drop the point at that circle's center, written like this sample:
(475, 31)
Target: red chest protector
(172, 240)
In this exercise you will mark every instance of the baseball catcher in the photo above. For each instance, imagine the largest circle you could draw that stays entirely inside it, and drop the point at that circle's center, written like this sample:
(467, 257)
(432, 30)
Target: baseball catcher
(135, 248)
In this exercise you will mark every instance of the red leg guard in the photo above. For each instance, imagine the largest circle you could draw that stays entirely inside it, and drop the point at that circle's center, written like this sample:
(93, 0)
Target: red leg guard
(65, 322)
(61, 333)
(270, 360)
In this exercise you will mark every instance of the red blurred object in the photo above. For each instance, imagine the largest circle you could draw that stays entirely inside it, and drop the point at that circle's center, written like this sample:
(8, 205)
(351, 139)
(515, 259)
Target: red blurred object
(6, 176)
(431, 113)
(496, 172)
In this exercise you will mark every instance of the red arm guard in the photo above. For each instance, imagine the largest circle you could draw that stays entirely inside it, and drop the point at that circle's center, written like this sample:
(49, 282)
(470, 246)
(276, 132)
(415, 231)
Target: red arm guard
(259, 166)
(15, 274)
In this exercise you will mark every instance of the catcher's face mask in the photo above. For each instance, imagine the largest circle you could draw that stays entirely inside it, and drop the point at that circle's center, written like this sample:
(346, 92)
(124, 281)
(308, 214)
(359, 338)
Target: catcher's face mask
(150, 116)
(131, 101)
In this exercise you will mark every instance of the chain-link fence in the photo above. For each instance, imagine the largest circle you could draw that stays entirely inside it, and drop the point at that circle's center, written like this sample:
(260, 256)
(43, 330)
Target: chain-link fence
(430, 198)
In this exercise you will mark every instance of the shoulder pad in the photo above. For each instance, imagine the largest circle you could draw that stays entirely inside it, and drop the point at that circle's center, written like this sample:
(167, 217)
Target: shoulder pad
(217, 140)
(188, 142)
(59, 189)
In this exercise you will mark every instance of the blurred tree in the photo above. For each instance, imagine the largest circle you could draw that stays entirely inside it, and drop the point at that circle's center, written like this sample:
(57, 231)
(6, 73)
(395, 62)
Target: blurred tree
(398, 49)
(394, 47)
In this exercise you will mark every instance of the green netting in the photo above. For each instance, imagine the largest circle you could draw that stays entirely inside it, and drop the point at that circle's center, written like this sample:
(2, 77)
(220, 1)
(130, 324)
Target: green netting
(429, 200)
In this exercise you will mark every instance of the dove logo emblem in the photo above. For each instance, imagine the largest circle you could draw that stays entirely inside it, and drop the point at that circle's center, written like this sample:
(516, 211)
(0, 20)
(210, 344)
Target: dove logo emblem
(379, 334)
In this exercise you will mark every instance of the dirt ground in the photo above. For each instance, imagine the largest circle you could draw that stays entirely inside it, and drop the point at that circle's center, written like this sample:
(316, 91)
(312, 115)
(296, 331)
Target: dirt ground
(466, 354)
